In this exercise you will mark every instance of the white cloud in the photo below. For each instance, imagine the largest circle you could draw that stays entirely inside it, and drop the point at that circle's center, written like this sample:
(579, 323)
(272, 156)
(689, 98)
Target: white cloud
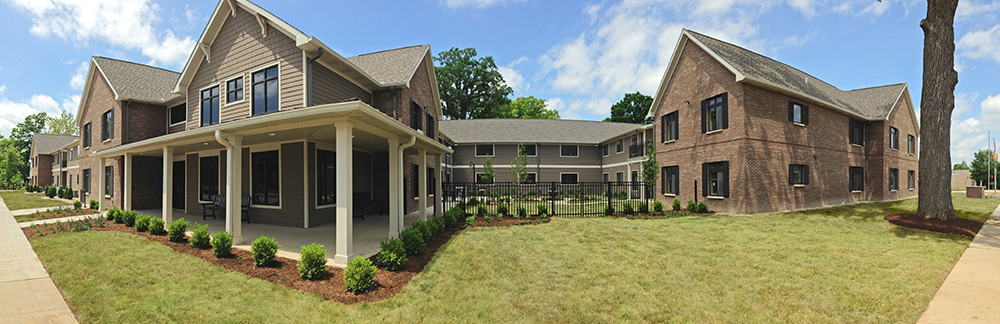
(123, 23)
(79, 78)
(963, 103)
(514, 78)
(12, 113)
(877, 8)
(970, 134)
(71, 104)
(3, 88)
(191, 14)
(968, 8)
(578, 109)
(806, 7)
(475, 3)
(981, 44)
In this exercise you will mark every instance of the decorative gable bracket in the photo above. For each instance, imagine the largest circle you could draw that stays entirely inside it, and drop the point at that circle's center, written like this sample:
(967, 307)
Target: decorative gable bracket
(263, 24)
(207, 50)
(232, 7)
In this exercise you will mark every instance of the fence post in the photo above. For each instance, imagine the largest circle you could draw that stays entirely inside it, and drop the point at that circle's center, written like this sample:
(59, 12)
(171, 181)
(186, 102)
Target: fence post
(607, 186)
(552, 198)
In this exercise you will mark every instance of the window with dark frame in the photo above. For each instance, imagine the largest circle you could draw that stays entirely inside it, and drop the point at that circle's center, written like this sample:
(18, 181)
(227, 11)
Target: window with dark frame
(857, 132)
(210, 106)
(108, 125)
(234, 90)
(911, 144)
(569, 150)
(857, 178)
(430, 181)
(531, 150)
(109, 181)
(798, 113)
(532, 178)
(893, 138)
(208, 174)
(670, 180)
(326, 177)
(86, 135)
(715, 179)
(569, 178)
(484, 150)
(414, 181)
(714, 113)
(620, 176)
(668, 127)
(86, 180)
(265, 178)
(798, 174)
(893, 179)
(430, 126)
(415, 113)
(265, 90)
(621, 146)
(911, 179)
(635, 179)
(607, 149)
(178, 114)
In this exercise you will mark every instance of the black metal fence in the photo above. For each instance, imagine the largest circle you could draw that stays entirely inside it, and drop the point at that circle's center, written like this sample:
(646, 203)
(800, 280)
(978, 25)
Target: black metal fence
(552, 198)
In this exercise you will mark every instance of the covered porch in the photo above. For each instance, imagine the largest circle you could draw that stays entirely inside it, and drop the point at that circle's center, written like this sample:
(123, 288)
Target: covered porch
(305, 172)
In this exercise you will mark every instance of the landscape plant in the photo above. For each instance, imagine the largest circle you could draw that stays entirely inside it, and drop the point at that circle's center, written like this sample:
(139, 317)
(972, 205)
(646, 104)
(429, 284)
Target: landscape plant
(676, 205)
(200, 239)
(94, 204)
(78, 206)
(156, 226)
(175, 233)
(702, 208)
(413, 240)
(692, 206)
(628, 209)
(644, 207)
(360, 275)
(264, 250)
(542, 209)
(392, 254)
(222, 244)
(312, 265)
(142, 223)
(129, 218)
(470, 220)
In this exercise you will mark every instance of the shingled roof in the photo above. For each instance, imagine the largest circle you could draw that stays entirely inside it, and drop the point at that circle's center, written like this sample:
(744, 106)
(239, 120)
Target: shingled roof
(873, 103)
(533, 131)
(393, 66)
(50, 143)
(137, 81)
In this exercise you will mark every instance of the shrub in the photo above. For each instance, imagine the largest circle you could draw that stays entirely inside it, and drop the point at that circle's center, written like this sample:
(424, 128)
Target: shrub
(677, 205)
(450, 218)
(439, 226)
(312, 265)
(503, 209)
(481, 210)
(94, 204)
(628, 209)
(156, 226)
(142, 223)
(413, 240)
(522, 212)
(200, 239)
(610, 210)
(542, 209)
(129, 217)
(470, 220)
(50, 191)
(116, 215)
(176, 230)
(643, 207)
(222, 244)
(702, 208)
(77, 205)
(658, 206)
(392, 254)
(692, 206)
(360, 275)
(264, 249)
(425, 230)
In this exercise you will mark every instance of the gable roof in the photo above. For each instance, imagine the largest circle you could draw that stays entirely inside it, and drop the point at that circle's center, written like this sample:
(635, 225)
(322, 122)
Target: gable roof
(533, 131)
(129, 80)
(873, 103)
(50, 143)
(395, 66)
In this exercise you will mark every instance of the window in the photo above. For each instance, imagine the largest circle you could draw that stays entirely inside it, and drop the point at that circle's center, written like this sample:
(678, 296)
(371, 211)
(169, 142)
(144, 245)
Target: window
(234, 90)
(893, 138)
(857, 132)
(857, 178)
(668, 127)
(415, 114)
(430, 126)
(108, 125)
(569, 178)
(178, 114)
(714, 113)
(479, 178)
(414, 180)
(484, 150)
(531, 150)
(265, 178)
(620, 176)
(893, 179)
(109, 181)
(635, 179)
(798, 174)
(606, 150)
(911, 179)
(210, 106)
(635, 139)
(430, 181)
(532, 178)
(621, 146)
(670, 180)
(606, 177)
(911, 144)
(569, 150)
(86, 135)
(798, 113)
(715, 179)
(326, 177)
(265, 91)
(208, 169)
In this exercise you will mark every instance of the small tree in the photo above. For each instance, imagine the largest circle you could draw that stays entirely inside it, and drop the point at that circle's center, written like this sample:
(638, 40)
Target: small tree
(519, 167)
(488, 173)
(650, 168)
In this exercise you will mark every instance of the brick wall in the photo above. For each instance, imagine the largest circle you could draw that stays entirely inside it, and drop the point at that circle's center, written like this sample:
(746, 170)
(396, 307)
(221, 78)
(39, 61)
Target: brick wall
(42, 171)
(145, 121)
(100, 100)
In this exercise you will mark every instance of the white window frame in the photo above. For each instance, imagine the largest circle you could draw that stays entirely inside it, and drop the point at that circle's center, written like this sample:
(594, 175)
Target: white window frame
(267, 148)
(532, 173)
(569, 156)
(475, 178)
(606, 148)
(526, 148)
(316, 179)
(799, 107)
(200, 109)
(606, 177)
(570, 184)
(219, 175)
(620, 175)
(494, 149)
(243, 75)
(620, 146)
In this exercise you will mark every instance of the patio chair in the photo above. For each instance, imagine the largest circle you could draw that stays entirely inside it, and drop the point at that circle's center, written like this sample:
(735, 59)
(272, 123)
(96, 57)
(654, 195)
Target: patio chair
(219, 203)
(363, 201)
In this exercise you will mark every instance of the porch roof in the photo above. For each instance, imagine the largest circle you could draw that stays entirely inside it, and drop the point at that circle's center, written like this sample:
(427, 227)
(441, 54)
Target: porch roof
(364, 117)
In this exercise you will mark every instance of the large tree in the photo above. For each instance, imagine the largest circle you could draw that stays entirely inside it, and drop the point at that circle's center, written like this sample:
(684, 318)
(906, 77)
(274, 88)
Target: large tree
(470, 87)
(937, 101)
(527, 108)
(962, 166)
(631, 109)
(982, 168)
(20, 140)
(65, 124)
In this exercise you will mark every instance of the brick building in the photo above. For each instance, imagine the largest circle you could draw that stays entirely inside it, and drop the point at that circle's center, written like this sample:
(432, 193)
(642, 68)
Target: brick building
(52, 159)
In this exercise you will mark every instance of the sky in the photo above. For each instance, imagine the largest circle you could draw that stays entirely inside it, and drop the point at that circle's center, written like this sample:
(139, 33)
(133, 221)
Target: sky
(580, 56)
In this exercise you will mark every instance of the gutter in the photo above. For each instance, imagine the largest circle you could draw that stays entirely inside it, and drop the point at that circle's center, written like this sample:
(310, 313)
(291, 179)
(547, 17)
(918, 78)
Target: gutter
(868, 125)
(309, 75)
(128, 106)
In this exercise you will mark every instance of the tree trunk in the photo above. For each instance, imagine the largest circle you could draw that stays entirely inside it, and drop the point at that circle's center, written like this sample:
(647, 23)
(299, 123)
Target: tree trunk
(937, 100)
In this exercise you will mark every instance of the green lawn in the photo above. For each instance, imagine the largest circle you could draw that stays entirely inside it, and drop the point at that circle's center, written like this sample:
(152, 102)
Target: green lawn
(17, 199)
(842, 264)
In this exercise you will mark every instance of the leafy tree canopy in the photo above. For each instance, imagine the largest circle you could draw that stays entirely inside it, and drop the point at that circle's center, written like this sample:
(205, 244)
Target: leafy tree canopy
(470, 87)
(15, 150)
(527, 108)
(981, 166)
(65, 124)
(962, 166)
(631, 109)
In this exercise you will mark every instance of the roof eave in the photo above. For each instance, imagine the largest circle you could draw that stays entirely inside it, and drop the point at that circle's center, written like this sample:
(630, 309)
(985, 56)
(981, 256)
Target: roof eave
(678, 49)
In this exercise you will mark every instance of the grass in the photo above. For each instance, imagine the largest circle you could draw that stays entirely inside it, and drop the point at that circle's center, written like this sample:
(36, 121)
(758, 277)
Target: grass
(17, 200)
(843, 264)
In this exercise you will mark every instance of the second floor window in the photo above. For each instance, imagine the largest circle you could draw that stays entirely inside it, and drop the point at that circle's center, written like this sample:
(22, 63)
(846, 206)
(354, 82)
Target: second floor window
(607, 149)
(531, 150)
(484, 150)
(857, 132)
(893, 138)
(86, 135)
(210, 106)
(108, 125)
(430, 126)
(234, 90)
(714, 113)
(620, 146)
(415, 113)
(178, 114)
(569, 150)
(798, 113)
(265, 90)
(911, 144)
(668, 127)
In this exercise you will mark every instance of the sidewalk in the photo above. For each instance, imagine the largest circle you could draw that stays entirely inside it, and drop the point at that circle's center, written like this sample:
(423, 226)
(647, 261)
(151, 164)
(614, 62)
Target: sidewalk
(57, 220)
(969, 294)
(27, 294)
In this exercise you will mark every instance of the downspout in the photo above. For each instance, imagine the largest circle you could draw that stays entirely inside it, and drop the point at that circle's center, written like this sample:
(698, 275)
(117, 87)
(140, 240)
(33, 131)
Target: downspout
(309, 74)
(399, 167)
(868, 125)
(128, 106)
(395, 107)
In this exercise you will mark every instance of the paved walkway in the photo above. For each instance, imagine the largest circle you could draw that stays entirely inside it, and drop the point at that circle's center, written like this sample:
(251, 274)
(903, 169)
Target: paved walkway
(27, 294)
(20, 212)
(57, 220)
(970, 293)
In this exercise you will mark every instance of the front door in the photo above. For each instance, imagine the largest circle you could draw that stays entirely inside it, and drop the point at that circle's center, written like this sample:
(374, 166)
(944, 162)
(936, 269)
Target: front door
(178, 185)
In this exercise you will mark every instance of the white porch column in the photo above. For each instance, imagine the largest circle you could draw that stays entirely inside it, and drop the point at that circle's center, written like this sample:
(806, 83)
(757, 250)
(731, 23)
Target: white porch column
(234, 188)
(345, 190)
(394, 215)
(422, 183)
(438, 194)
(127, 187)
(100, 183)
(168, 185)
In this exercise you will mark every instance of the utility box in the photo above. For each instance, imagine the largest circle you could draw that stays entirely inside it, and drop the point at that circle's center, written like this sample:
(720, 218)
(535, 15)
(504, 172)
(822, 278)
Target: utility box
(975, 192)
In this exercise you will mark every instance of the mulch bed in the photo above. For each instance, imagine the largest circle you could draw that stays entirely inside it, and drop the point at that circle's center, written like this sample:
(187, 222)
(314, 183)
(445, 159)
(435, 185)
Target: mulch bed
(69, 213)
(960, 226)
(285, 271)
(508, 221)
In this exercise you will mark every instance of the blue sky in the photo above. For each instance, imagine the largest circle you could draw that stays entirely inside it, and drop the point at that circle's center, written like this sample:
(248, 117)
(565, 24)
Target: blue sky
(580, 56)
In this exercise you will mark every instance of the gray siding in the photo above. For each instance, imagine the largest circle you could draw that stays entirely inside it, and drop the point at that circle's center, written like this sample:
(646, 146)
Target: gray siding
(292, 205)
(329, 87)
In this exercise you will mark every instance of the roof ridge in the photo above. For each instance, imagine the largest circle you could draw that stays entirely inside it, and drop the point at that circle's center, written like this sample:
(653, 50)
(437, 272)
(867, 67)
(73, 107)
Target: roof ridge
(879, 86)
(391, 49)
(134, 63)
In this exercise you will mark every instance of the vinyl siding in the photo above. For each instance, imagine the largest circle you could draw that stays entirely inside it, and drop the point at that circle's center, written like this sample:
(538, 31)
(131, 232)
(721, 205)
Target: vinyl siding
(329, 87)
